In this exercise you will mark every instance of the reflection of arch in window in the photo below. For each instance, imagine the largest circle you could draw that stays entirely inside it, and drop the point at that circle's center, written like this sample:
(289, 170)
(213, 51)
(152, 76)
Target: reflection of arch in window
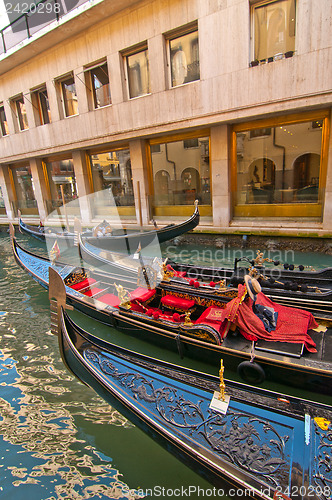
(306, 170)
(190, 178)
(161, 182)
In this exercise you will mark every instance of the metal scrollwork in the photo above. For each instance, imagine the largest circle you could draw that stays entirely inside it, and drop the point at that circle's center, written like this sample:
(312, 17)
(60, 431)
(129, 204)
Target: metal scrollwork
(238, 437)
(322, 473)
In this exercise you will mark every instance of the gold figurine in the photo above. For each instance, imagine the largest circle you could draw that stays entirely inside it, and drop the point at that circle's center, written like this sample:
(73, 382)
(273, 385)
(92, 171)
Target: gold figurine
(222, 385)
(124, 296)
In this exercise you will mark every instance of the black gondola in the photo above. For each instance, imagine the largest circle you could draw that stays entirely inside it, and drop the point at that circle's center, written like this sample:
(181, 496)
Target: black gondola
(197, 336)
(126, 240)
(265, 444)
(315, 297)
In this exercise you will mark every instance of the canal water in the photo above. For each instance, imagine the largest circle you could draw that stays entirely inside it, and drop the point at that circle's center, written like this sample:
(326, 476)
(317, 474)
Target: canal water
(58, 439)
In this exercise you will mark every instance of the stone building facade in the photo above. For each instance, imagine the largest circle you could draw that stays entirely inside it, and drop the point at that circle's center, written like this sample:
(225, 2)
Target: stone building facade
(152, 104)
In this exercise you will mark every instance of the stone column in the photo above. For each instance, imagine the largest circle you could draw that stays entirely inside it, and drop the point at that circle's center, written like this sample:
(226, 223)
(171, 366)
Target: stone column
(140, 178)
(220, 178)
(327, 211)
(83, 184)
(7, 192)
(42, 193)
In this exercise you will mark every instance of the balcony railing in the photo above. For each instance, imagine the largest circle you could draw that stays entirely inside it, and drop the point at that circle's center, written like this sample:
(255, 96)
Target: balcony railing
(29, 18)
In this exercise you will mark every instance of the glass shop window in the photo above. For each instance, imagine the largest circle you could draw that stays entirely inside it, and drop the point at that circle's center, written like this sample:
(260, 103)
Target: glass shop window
(273, 25)
(113, 182)
(61, 173)
(3, 121)
(184, 57)
(277, 166)
(137, 65)
(24, 190)
(100, 84)
(181, 172)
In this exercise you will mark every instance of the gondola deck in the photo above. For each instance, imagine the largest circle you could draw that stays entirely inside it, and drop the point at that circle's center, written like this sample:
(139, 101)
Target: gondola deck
(311, 370)
(252, 446)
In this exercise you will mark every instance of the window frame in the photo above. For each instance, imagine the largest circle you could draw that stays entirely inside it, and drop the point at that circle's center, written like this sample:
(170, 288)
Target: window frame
(3, 121)
(37, 103)
(22, 118)
(61, 82)
(278, 210)
(254, 4)
(176, 210)
(91, 87)
(142, 47)
(173, 35)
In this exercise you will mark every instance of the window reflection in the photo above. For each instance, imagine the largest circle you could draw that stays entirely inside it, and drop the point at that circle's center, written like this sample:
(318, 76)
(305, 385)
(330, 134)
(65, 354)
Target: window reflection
(138, 73)
(181, 172)
(274, 28)
(279, 164)
(184, 59)
(112, 181)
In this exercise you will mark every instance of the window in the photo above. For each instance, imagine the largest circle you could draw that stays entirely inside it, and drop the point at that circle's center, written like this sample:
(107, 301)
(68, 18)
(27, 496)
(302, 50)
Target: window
(20, 111)
(184, 58)
(3, 121)
(273, 25)
(69, 96)
(279, 168)
(137, 65)
(180, 175)
(113, 182)
(24, 190)
(100, 85)
(41, 103)
(61, 172)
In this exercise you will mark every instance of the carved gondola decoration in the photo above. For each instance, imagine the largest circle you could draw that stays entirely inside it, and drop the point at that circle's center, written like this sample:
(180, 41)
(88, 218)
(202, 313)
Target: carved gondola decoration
(206, 337)
(251, 445)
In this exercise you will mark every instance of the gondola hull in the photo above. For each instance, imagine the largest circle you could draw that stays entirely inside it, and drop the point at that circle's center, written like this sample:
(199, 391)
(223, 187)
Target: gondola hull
(280, 362)
(251, 447)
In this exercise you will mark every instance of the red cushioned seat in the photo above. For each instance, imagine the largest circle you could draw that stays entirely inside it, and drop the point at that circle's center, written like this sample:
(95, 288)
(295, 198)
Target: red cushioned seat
(110, 299)
(142, 294)
(212, 316)
(177, 302)
(83, 284)
(93, 291)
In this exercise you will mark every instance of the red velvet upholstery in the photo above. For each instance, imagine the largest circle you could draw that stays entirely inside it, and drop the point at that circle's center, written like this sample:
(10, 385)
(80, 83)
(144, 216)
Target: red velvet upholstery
(177, 302)
(92, 291)
(142, 294)
(83, 284)
(110, 299)
(212, 316)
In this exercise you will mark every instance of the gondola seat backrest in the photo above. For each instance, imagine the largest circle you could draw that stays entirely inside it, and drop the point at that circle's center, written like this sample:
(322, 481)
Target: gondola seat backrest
(83, 284)
(177, 303)
(143, 295)
(212, 316)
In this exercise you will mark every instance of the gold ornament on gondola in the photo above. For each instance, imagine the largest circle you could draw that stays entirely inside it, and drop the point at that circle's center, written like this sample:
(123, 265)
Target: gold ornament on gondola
(124, 296)
(322, 423)
(222, 385)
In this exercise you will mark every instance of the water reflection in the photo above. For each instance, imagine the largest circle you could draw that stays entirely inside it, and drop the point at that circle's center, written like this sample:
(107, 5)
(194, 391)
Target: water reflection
(41, 445)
